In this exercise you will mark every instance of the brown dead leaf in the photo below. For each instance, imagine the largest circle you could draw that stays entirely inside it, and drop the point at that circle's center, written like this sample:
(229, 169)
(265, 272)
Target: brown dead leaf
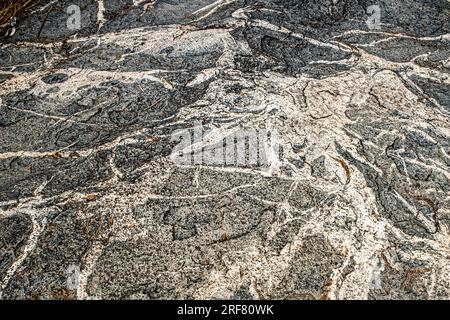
(60, 294)
(346, 169)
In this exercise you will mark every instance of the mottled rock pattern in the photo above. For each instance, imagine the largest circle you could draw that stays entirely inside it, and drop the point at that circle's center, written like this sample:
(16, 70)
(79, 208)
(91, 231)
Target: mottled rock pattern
(358, 207)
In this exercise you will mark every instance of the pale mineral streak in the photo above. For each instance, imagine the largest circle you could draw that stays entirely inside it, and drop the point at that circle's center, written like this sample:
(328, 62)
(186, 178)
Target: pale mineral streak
(356, 207)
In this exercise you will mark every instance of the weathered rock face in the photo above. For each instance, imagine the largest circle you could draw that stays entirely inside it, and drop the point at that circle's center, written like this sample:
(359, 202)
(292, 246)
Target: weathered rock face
(95, 204)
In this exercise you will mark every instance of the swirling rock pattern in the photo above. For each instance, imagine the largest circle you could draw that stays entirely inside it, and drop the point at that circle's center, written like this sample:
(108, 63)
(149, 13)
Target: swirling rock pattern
(358, 207)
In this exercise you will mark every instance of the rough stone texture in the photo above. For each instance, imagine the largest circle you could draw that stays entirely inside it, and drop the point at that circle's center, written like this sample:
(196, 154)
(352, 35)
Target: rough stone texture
(357, 207)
